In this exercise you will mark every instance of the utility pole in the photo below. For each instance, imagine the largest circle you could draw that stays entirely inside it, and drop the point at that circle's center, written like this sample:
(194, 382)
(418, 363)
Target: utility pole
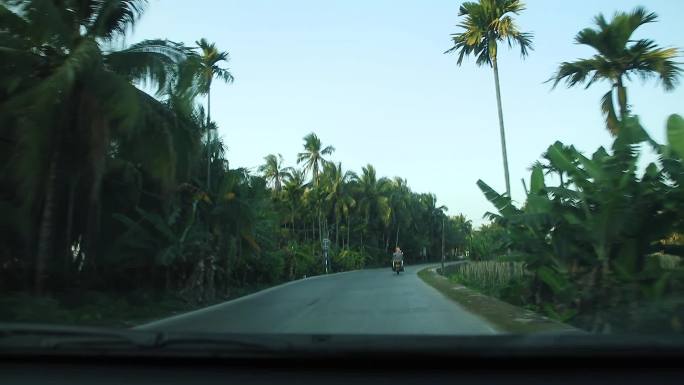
(442, 246)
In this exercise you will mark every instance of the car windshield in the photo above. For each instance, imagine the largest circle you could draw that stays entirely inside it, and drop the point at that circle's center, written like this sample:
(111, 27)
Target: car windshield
(343, 168)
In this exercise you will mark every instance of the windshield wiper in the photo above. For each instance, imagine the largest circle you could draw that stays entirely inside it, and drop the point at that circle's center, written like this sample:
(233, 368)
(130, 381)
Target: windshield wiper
(213, 341)
(68, 337)
(49, 336)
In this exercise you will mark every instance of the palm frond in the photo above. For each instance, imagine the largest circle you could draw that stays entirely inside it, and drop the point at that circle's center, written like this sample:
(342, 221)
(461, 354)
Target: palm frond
(638, 17)
(113, 18)
(328, 150)
(591, 37)
(577, 72)
(59, 85)
(150, 61)
(224, 74)
(564, 193)
(648, 60)
(13, 23)
(608, 110)
(49, 22)
(485, 23)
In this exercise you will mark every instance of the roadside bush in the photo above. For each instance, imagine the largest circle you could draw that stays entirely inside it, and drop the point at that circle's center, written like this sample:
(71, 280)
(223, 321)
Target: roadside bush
(490, 277)
(348, 260)
(589, 243)
(487, 242)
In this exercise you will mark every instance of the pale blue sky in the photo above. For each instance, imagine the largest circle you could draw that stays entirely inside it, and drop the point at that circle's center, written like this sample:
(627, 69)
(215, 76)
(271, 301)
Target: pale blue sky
(369, 77)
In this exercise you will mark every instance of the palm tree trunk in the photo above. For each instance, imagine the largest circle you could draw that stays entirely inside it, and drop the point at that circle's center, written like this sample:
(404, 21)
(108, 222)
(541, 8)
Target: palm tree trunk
(98, 147)
(208, 138)
(337, 230)
(69, 258)
(622, 99)
(348, 229)
(396, 244)
(501, 126)
(46, 232)
(320, 228)
(362, 241)
(386, 239)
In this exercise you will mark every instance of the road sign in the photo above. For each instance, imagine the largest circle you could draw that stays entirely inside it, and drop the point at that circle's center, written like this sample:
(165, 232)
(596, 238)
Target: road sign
(326, 246)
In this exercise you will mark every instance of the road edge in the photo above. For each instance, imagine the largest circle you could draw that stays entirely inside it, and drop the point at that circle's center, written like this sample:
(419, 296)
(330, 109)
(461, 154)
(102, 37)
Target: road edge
(505, 317)
(208, 309)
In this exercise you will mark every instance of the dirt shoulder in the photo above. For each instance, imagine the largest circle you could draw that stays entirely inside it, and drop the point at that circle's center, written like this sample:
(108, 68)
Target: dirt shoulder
(504, 316)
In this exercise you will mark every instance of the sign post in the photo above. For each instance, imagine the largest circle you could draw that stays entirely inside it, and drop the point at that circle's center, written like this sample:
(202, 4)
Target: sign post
(326, 247)
(443, 246)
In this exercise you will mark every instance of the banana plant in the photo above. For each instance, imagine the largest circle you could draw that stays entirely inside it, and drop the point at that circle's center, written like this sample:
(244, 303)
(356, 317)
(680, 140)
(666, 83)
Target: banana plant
(587, 242)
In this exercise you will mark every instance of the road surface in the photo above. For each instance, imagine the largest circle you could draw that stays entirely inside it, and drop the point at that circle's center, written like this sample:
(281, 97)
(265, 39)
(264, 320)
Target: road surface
(373, 301)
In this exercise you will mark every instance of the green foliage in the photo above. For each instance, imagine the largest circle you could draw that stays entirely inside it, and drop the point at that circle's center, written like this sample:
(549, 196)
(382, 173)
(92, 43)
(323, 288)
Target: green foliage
(619, 57)
(675, 134)
(348, 260)
(487, 242)
(588, 242)
(490, 276)
(108, 188)
(90, 308)
(486, 24)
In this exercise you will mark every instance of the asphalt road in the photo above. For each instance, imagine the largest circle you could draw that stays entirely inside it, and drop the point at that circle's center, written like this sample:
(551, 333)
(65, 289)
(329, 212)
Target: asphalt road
(373, 301)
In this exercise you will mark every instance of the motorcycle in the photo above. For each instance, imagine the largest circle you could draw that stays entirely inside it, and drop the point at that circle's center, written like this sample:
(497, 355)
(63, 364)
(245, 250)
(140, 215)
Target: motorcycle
(397, 266)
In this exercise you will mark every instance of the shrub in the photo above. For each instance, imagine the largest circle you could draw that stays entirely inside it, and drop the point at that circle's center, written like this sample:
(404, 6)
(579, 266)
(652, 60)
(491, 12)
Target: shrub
(348, 260)
(490, 277)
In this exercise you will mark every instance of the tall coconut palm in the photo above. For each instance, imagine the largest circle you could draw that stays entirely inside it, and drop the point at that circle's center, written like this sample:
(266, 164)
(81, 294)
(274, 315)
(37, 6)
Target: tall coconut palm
(433, 216)
(399, 200)
(209, 68)
(618, 58)
(373, 202)
(487, 23)
(337, 193)
(69, 92)
(274, 172)
(293, 189)
(461, 230)
(314, 156)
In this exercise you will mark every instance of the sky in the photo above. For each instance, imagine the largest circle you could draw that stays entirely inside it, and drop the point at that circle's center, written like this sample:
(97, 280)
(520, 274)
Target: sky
(371, 79)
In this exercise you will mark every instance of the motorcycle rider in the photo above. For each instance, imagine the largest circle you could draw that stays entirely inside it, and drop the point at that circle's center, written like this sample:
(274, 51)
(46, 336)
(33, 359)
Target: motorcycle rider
(398, 256)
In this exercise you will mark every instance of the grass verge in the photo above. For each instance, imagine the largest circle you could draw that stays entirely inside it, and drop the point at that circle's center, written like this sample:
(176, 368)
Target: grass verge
(504, 316)
(102, 309)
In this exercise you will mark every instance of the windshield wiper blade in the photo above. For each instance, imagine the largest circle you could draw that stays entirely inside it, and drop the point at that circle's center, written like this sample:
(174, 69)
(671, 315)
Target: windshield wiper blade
(189, 341)
(73, 338)
(51, 336)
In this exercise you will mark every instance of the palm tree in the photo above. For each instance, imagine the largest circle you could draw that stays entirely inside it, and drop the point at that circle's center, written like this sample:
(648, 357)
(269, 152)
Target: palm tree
(208, 68)
(462, 228)
(487, 23)
(338, 194)
(433, 215)
(72, 93)
(399, 201)
(313, 156)
(274, 172)
(619, 57)
(373, 202)
(293, 189)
